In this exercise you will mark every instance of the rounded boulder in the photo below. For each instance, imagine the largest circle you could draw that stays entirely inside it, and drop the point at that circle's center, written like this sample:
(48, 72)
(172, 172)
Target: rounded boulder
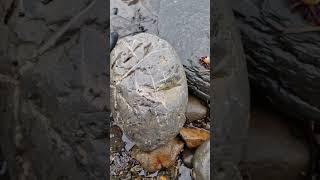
(149, 91)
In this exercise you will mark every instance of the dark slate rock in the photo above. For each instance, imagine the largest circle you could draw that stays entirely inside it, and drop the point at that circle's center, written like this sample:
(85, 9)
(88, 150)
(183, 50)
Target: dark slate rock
(231, 92)
(285, 67)
(149, 91)
(185, 24)
(56, 110)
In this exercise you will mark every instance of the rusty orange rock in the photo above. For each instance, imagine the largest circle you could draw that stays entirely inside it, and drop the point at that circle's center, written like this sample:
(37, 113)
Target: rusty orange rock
(163, 178)
(162, 157)
(194, 137)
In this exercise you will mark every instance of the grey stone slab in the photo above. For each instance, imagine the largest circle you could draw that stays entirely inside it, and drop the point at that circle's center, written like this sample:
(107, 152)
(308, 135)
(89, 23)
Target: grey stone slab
(186, 25)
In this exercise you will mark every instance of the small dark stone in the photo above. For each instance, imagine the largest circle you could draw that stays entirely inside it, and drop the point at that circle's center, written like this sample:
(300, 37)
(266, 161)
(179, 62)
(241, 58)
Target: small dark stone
(113, 39)
(187, 156)
(115, 11)
(15, 63)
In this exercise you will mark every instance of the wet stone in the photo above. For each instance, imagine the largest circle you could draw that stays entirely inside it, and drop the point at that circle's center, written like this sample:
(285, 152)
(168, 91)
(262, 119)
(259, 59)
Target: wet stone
(201, 162)
(149, 91)
(196, 109)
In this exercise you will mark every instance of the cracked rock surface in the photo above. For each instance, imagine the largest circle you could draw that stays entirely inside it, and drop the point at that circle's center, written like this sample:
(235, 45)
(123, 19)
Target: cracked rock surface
(285, 66)
(149, 92)
(54, 82)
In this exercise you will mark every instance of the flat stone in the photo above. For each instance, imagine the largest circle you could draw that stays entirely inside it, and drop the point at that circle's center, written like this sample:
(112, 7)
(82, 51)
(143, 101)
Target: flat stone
(185, 24)
(194, 137)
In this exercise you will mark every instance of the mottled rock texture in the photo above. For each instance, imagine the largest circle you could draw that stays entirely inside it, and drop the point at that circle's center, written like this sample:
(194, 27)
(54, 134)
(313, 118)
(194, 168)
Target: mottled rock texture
(149, 91)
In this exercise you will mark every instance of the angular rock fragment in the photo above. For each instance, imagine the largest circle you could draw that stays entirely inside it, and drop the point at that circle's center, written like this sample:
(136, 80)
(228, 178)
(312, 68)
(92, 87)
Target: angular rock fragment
(163, 157)
(194, 137)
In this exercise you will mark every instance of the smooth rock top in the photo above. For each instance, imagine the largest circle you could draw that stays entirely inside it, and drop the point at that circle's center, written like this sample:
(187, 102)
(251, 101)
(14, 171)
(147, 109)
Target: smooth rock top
(149, 91)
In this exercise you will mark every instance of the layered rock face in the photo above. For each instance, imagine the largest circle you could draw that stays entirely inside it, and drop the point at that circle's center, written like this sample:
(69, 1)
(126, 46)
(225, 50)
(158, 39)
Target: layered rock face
(285, 66)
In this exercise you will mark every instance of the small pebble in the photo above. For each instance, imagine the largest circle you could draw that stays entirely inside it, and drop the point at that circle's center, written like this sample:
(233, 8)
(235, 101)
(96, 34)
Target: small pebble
(195, 110)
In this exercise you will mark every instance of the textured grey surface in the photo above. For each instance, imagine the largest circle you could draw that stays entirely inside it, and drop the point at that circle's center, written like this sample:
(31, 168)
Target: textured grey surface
(149, 91)
(135, 18)
(286, 67)
(57, 122)
(186, 25)
(201, 162)
(231, 102)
